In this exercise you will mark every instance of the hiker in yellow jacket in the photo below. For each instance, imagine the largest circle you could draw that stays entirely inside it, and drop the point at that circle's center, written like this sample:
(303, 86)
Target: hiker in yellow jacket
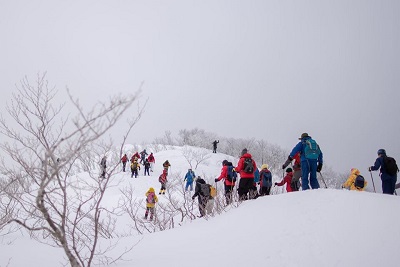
(151, 200)
(350, 183)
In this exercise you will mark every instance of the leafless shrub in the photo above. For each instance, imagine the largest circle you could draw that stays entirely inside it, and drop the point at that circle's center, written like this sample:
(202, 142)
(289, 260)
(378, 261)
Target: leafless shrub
(43, 192)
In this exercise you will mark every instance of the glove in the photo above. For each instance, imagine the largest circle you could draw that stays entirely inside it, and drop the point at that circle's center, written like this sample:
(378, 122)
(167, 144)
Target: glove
(276, 183)
(192, 198)
(319, 167)
(369, 169)
(283, 166)
(216, 180)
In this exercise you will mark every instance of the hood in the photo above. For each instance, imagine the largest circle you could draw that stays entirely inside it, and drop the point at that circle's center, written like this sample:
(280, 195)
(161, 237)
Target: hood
(355, 171)
(246, 155)
(151, 190)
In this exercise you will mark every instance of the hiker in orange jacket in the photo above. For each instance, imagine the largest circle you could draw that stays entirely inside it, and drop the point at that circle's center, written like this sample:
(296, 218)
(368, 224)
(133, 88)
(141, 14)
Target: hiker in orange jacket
(350, 182)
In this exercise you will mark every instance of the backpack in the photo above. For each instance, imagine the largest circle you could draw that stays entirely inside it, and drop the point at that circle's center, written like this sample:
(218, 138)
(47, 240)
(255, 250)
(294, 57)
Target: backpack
(232, 174)
(248, 165)
(295, 185)
(134, 166)
(390, 165)
(213, 191)
(205, 190)
(266, 178)
(150, 198)
(311, 149)
(359, 182)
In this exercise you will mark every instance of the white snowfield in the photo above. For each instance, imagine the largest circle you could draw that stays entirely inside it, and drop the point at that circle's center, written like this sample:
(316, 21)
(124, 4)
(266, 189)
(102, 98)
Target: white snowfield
(324, 227)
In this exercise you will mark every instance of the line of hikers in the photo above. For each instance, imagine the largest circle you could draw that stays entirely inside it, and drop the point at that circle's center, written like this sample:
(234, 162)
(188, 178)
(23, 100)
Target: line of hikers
(306, 158)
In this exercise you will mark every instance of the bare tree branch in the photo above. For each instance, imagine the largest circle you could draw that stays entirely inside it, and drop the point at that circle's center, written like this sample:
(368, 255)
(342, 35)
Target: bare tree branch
(44, 192)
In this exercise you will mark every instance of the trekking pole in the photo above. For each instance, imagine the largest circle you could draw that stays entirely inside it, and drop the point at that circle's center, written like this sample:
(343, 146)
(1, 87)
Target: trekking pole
(372, 178)
(216, 197)
(323, 180)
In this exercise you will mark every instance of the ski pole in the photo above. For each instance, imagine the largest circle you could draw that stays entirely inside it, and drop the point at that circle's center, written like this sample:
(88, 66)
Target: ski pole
(372, 178)
(323, 180)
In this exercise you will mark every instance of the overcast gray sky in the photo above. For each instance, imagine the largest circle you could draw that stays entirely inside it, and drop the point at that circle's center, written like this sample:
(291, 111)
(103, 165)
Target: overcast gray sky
(263, 69)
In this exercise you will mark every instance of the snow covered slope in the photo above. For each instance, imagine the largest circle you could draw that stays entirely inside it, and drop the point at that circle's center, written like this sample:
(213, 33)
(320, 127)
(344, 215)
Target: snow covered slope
(324, 227)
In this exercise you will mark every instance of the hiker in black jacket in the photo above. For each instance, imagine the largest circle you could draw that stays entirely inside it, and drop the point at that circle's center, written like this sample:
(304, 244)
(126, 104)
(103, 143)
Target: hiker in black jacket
(202, 191)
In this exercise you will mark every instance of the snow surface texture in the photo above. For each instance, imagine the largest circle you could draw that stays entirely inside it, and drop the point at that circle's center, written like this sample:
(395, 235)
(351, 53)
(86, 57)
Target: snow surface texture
(324, 227)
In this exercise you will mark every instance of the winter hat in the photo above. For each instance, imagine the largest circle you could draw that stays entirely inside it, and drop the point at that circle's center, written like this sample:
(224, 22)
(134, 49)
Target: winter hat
(303, 135)
(151, 189)
(244, 151)
(224, 162)
(289, 170)
(264, 166)
(381, 151)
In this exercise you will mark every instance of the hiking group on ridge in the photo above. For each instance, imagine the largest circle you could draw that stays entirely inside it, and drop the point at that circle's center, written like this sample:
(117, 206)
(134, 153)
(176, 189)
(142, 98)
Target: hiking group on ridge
(306, 160)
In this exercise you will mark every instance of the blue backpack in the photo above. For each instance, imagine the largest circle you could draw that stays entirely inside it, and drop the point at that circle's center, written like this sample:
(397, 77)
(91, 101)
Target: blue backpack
(311, 149)
(266, 178)
(232, 175)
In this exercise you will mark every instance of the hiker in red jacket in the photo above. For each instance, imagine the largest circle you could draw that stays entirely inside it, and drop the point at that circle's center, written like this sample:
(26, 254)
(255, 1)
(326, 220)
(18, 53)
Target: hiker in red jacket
(163, 181)
(151, 160)
(246, 171)
(124, 159)
(229, 184)
(296, 169)
(287, 180)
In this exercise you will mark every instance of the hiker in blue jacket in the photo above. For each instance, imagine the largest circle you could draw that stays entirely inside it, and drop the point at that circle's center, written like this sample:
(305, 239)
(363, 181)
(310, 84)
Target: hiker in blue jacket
(311, 161)
(189, 177)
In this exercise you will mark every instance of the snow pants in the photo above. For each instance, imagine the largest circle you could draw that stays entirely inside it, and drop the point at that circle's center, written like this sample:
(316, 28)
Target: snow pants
(189, 184)
(388, 183)
(210, 206)
(264, 191)
(245, 185)
(228, 193)
(151, 210)
(309, 171)
(202, 205)
(134, 173)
